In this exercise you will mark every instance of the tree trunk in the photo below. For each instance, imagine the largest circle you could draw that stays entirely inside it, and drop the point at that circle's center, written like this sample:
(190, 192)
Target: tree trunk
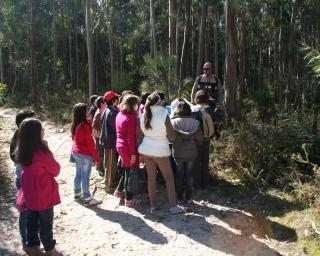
(231, 64)
(172, 27)
(290, 54)
(1, 65)
(111, 58)
(153, 31)
(77, 62)
(185, 45)
(92, 87)
(178, 40)
(33, 55)
(201, 39)
(242, 62)
(215, 34)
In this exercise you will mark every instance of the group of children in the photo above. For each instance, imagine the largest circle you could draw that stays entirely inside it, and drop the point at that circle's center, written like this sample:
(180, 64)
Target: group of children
(137, 130)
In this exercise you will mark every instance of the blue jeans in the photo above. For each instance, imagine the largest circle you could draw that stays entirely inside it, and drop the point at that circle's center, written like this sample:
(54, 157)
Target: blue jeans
(23, 214)
(41, 222)
(18, 175)
(83, 170)
(184, 170)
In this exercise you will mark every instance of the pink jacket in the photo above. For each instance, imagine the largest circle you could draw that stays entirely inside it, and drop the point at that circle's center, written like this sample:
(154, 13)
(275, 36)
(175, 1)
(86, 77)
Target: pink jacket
(38, 184)
(126, 128)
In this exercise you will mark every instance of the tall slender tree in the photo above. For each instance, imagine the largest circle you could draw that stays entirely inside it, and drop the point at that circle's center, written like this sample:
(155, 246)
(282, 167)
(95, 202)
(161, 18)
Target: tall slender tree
(230, 82)
(90, 50)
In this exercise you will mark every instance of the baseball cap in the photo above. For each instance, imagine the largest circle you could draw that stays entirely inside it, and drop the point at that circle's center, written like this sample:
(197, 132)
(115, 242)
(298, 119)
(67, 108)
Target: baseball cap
(110, 95)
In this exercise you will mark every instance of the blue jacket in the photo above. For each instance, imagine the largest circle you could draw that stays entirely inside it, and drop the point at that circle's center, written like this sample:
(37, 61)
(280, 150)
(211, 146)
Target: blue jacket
(108, 135)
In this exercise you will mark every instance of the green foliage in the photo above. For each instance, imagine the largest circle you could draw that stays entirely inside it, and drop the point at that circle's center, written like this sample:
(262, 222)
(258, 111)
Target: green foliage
(264, 152)
(312, 57)
(4, 93)
(156, 73)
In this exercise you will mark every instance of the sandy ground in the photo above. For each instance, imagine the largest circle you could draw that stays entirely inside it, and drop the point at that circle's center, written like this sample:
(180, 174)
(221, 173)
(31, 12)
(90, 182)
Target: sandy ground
(212, 227)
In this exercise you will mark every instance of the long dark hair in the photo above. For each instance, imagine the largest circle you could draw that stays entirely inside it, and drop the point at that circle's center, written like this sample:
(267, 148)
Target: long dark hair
(152, 99)
(79, 116)
(29, 141)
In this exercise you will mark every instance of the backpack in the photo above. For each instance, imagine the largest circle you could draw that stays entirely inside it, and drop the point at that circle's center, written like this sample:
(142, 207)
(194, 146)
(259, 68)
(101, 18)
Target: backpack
(206, 123)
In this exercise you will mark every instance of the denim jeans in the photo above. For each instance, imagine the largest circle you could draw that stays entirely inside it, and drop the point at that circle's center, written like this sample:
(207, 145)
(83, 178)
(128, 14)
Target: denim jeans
(23, 216)
(41, 222)
(184, 170)
(83, 171)
(18, 175)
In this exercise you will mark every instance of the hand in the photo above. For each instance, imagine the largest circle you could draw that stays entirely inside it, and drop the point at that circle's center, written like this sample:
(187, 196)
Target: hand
(133, 159)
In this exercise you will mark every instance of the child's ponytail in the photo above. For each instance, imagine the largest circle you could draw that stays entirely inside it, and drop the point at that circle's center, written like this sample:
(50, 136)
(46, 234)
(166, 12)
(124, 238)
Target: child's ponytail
(147, 115)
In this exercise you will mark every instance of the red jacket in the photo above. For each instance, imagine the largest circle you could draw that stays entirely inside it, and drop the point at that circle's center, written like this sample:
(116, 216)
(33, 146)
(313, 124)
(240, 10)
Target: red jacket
(40, 189)
(83, 142)
(126, 128)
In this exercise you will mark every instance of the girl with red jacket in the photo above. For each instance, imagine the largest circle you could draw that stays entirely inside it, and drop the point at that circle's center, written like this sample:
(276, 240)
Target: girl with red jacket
(126, 128)
(38, 185)
(83, 153)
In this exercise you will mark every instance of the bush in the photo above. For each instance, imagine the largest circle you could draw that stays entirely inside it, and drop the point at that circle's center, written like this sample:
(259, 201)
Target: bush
(263, 152)
(4, 94)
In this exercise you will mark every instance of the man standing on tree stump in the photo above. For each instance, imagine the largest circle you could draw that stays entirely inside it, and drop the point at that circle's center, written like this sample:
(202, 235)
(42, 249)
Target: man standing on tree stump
(210, 84)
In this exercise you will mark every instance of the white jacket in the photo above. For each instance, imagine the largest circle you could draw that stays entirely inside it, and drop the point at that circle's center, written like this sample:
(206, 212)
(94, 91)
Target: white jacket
(155, 142)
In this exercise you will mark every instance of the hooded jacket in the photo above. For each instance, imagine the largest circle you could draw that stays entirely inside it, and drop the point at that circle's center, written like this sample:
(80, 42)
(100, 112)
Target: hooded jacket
(188, 136)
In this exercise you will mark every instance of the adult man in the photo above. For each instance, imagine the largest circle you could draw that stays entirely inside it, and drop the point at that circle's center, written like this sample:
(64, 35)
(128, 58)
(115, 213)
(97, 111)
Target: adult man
(210, 84)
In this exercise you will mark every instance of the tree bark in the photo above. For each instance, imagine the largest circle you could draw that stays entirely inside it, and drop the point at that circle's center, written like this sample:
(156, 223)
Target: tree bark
(33, 55)
(92, 87)
(111, 57)
(201, 39)
(1, 65)
(215, 34)
(290, 53)
(185, 45)
(172, 27)
(153, 31)
(231, 64)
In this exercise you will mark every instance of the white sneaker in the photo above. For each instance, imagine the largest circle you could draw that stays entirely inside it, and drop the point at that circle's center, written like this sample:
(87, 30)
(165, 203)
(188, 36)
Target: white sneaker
(91, 202)
(177, 209)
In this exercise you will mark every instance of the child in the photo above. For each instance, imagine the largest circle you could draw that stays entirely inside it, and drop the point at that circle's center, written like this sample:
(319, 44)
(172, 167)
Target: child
(22, 114)
(185, 148)
(154, 133)
(38, 185)
(93, 108)
(83, 153)
(126, 127)
(108, 136)
(96, 132)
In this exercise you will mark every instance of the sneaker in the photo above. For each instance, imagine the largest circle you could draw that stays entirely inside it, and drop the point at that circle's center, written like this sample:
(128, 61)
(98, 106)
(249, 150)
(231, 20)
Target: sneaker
(176, 209)
(77, 196)
(118, 193)
(131, 202)
(91, 202)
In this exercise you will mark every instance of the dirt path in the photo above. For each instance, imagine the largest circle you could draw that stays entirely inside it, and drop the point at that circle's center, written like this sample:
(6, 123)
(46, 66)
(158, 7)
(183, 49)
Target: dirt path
(213, 227)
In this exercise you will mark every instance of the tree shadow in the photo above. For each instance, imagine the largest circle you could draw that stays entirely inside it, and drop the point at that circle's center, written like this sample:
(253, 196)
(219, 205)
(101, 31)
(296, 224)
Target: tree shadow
(219, 225)
(246, 196)
(132, 224)
(7, 252)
